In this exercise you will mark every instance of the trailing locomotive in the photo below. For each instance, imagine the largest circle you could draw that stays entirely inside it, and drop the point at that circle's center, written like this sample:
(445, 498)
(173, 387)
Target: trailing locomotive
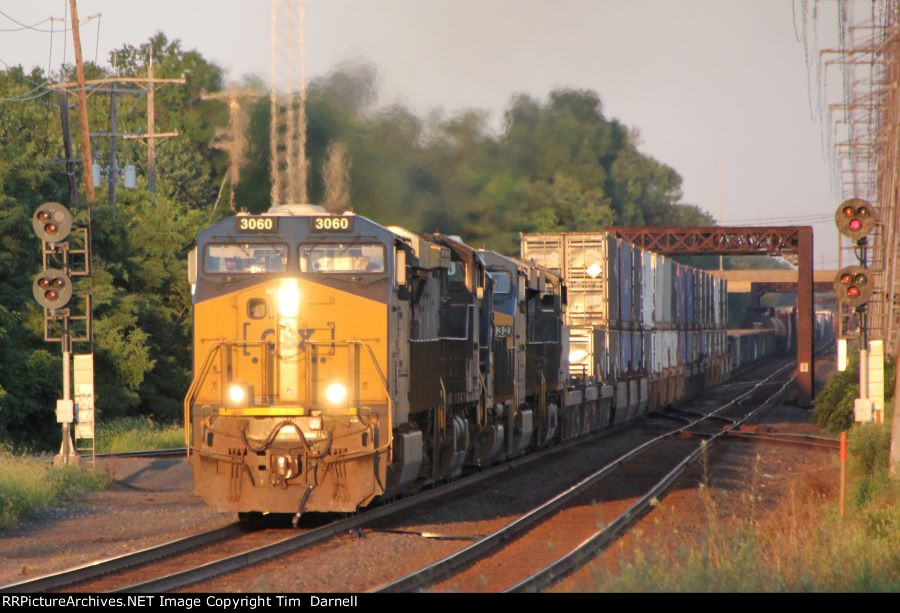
(337, 361)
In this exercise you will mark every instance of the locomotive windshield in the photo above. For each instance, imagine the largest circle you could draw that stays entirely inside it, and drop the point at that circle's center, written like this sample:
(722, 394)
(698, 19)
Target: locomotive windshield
(342, 258)
(502, 281)
(456, 275)
(252, 258)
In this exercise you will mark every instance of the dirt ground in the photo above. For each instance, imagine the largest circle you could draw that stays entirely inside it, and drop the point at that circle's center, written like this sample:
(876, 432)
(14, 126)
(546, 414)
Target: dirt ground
(741, 480)
(153, 503)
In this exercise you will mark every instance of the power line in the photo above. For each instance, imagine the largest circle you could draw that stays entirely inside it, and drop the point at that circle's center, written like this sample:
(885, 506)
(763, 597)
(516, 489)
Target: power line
(97, 44)
(50, 31)
(25, 98)
(26, 95)
(24, 27)
(798, 218)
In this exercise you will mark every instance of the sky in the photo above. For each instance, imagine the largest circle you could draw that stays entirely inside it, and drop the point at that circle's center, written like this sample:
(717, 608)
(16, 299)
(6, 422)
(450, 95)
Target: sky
(717, 88)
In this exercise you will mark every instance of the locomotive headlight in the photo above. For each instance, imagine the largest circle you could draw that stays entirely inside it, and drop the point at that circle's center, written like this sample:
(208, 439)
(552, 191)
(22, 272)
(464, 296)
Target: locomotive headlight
(237, 394)
(289, 298)
(336, 393)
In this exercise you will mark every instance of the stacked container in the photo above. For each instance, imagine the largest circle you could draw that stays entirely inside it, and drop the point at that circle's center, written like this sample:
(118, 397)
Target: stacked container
(648, 327)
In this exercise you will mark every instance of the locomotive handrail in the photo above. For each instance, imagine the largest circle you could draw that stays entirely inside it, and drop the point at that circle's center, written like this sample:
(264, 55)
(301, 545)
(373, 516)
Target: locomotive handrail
(217, 345)
(191, 394)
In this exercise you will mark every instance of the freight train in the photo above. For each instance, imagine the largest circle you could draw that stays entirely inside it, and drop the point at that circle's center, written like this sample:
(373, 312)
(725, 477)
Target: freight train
(782, 321)
(338, 361)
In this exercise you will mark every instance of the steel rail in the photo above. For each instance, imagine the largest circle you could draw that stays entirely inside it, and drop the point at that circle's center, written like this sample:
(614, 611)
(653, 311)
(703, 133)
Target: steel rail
(784, 438)
(317, 535)
(109, 566)
(548, 575)
(94, 570)
(576, 558)
(314, 536)
(455, 562)
(147, 453)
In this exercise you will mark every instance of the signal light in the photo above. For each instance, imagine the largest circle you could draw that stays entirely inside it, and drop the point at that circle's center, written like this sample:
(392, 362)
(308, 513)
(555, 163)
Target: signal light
(52, 222)
(52, 288)
(855, 218)
(852, 286)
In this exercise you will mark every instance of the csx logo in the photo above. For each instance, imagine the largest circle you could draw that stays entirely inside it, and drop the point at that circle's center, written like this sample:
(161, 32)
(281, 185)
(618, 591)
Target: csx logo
(298, 337)
(289, 336)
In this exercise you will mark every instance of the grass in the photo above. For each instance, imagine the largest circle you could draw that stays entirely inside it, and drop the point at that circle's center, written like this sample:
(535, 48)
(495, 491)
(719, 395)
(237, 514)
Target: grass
(802, 545)
(29, 484)
(137, 434)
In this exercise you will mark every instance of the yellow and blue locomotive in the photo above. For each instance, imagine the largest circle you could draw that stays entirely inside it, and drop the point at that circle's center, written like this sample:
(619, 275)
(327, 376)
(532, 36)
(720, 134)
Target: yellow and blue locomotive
(337, 360)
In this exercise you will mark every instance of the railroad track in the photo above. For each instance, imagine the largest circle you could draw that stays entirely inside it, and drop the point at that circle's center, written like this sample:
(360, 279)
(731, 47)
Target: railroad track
(117, 574)
(160, 555)
(150, 453)
(489, 550)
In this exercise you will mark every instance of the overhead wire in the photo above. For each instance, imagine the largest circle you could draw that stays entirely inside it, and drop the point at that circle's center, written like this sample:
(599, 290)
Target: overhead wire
(97, 43)
(22, 25)
(50, 31)
(65, 46)
(50, 58)
(25, 96)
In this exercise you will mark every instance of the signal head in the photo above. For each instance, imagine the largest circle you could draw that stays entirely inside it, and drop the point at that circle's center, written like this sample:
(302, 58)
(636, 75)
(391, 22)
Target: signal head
(852, 286)
(855, 218)
(52, 222)
(52, 288)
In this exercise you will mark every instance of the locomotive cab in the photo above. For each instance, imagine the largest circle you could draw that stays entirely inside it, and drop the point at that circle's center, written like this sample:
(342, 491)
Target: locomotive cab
(509, 282)
(291, 408)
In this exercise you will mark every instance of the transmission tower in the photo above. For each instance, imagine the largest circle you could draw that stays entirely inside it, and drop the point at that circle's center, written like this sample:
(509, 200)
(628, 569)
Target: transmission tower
(287, 129)
(233, 139)
(857, 80)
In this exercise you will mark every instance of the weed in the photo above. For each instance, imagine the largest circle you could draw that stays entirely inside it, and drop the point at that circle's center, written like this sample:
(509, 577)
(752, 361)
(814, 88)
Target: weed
(30, 484)
(137, 434)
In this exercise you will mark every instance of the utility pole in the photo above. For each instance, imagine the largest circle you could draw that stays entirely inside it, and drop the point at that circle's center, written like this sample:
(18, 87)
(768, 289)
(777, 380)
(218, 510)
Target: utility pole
(151, 128)
(113, 177)
(150, 137)
(235, 139)
(67, 146)
(894, 461)
(82, 108)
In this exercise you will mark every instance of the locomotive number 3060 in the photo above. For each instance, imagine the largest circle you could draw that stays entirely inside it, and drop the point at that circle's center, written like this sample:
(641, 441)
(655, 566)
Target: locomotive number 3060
(256, 224)
(332, 224)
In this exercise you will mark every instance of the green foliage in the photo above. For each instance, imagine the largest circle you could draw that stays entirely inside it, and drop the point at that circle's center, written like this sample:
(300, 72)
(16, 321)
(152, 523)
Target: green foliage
(28, 485)
(833, 406)
(802, 545)
(869, 445)
(556, 164)
(137, 434)
(142, 341)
